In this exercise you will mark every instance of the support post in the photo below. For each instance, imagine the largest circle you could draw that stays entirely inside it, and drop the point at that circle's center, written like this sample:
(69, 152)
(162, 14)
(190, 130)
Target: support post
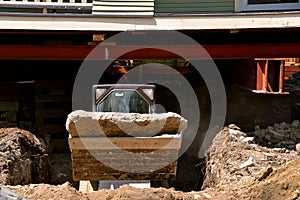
(281, 76)
(262, 75)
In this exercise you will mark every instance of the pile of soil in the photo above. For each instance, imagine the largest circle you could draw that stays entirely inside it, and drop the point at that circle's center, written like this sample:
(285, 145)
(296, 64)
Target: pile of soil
(234, 159)
(67, 192)
(283, 183)
(237, 168)
(23, 158)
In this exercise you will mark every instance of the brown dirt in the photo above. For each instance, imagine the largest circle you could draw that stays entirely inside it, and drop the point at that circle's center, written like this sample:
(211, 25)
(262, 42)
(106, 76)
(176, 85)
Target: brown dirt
(22, 158)
(274, 175)
(283, 183)
(229, 153)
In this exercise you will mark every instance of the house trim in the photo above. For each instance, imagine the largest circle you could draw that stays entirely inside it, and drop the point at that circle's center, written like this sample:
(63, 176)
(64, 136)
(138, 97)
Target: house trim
(122, 23)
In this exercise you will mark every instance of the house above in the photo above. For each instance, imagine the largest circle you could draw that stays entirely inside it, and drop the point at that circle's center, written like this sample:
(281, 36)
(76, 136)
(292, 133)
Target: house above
(118, 15)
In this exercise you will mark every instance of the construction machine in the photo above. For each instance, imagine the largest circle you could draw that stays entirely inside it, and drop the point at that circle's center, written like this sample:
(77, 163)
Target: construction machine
(123, 140)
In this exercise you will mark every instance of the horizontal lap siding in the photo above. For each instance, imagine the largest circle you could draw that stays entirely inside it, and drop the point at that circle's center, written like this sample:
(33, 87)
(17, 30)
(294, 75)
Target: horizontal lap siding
(122, 7)
(194, 6)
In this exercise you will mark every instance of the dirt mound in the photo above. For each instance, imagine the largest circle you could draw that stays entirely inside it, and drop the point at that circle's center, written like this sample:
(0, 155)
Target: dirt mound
(22, 158)
(67, 192)
(237, 169)
(282, 184)
(47, 192)
(234, 159)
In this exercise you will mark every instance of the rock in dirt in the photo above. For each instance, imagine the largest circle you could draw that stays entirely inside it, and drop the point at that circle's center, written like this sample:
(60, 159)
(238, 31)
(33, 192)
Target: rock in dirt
(113, 124)
(298, 148)
(23, 159)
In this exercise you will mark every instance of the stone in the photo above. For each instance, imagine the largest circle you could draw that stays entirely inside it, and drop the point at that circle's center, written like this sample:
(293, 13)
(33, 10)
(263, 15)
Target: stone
(234, 132)
(264, 173)
(248, 163)
(233, 126)
(248, 139)
(298, 148)
(295, 123)
(267, 137)
(111, 124)
(283, 125)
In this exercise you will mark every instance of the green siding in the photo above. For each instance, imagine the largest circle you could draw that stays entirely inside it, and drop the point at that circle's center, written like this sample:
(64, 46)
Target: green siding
(194, 6)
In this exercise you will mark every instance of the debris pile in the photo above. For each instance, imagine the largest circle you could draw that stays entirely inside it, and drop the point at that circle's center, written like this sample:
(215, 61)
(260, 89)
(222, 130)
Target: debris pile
(293, 84)
(293, 87)
(234, 159)
(22, 158)
(283, 135)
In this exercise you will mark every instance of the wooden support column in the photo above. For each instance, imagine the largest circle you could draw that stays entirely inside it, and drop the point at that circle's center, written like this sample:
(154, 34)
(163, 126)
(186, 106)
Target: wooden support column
(265, 82)
(262, 75)
(281, 76)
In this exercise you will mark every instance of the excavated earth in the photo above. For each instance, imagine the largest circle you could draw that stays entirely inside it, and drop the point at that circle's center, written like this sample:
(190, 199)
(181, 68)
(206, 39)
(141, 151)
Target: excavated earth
(237, 168)
(23, 158)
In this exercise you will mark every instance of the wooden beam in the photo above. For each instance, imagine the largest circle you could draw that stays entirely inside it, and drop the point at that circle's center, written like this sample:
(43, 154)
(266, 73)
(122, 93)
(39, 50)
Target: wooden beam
(265, 76)
(281, 75)
(259, 74)
(153, 143)
(251, 51)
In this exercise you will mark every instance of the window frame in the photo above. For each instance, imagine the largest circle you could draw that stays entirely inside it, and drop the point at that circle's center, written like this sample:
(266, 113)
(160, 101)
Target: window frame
(242, 5)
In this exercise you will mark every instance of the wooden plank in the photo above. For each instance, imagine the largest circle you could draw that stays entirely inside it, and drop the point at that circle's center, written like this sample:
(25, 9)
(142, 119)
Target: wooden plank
(85, 186)
(9, 105)
(94, 176)
(281, 76)
(124, 167)
(125, 143)
(259, 74)
(119, 155)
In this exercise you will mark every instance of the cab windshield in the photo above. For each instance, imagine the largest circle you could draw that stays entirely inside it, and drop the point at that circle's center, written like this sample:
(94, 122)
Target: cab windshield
(123, 101)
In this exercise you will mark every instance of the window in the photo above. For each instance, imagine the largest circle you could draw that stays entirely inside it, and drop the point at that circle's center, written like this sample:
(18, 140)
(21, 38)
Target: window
(267, 5)
(123, 101)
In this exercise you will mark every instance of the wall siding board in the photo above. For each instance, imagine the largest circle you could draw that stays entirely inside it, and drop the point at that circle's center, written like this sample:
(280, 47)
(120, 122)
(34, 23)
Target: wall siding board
(194, 6)
(122, 7)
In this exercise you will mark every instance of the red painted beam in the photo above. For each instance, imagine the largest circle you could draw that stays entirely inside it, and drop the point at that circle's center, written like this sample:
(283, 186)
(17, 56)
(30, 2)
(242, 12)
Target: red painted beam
(10, 52)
